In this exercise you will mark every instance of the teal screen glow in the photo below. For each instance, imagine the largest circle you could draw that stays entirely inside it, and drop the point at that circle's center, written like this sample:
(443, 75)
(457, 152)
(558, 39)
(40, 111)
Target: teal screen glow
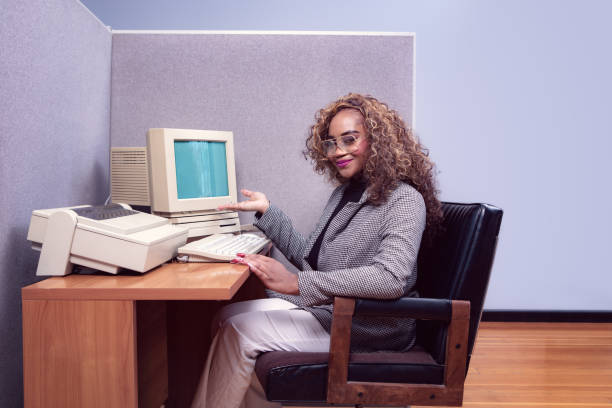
(201, 169)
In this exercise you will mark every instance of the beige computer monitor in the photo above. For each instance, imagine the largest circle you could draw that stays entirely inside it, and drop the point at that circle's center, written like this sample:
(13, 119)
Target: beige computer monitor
(188, 171)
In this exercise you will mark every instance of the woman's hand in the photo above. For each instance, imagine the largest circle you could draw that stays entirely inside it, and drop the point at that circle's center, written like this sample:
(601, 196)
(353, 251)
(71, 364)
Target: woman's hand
(272, 273)
(256, 202)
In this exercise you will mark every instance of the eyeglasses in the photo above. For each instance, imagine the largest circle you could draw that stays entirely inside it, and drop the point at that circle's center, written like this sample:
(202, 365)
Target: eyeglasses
(347, 143)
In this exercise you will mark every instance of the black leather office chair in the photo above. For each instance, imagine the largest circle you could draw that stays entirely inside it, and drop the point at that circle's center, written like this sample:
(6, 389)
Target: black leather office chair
(453, 275)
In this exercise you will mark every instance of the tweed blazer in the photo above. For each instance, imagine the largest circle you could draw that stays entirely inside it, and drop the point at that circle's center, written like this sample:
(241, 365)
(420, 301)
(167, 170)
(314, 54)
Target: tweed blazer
(367, 251)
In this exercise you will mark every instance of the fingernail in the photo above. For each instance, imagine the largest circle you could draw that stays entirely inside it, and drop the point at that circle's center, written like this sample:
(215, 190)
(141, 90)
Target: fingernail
(240, 255)
(234, 261)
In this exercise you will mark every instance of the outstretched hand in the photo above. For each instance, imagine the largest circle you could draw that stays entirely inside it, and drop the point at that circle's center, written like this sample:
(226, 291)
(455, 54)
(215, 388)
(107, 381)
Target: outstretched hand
(272, 273)
(257, 201)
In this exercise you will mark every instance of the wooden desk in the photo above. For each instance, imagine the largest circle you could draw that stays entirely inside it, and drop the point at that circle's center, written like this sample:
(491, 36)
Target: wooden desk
(110, 341)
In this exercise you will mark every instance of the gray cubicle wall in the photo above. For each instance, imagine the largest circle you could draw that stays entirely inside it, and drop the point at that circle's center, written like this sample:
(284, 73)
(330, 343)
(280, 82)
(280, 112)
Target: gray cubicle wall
(265, 87)
(54, 130)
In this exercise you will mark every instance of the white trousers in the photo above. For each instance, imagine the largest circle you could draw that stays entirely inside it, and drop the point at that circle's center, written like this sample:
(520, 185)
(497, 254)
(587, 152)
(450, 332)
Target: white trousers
(243, 331)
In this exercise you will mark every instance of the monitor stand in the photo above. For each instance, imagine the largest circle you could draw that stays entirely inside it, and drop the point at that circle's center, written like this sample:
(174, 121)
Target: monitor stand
(202, 223)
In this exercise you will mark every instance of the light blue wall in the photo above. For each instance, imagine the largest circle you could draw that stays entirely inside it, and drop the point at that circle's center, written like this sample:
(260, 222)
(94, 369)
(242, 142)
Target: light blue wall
(54, 141)
(513, 100)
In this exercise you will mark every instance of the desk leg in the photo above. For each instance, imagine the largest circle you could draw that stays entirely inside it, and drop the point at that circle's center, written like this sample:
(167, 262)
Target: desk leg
(79, 353)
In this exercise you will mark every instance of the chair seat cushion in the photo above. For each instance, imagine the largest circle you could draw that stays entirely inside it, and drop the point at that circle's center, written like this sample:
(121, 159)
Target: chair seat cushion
(288, 376)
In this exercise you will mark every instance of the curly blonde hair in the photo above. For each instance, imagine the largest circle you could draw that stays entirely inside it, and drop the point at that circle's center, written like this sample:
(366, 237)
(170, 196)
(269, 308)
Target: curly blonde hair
(394, 155)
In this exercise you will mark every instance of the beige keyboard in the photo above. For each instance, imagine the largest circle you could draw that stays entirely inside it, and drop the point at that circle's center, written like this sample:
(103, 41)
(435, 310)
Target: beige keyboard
(221, 247)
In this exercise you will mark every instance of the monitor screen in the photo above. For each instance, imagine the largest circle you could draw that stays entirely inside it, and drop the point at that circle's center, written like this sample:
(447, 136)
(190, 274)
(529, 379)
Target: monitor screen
(201, 169)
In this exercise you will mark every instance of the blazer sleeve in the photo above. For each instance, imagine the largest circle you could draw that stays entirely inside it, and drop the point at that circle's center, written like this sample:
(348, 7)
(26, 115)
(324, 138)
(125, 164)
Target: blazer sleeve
(279, 228)
(391, 269)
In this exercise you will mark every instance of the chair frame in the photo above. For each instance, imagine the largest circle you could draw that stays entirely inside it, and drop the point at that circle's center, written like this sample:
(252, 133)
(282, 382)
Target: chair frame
(342, 391)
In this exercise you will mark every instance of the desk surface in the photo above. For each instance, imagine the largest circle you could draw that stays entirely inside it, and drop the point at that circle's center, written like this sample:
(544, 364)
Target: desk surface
(175, 281)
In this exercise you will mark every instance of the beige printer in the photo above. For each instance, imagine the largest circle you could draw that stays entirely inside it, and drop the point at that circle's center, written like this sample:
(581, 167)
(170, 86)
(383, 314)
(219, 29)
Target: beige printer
(106, 238)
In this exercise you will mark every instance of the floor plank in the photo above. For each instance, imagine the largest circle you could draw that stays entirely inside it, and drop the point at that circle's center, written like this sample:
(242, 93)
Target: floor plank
(541, 365)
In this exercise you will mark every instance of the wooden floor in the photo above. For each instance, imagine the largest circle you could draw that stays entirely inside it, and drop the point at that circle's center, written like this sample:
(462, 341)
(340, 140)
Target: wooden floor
(541, 365)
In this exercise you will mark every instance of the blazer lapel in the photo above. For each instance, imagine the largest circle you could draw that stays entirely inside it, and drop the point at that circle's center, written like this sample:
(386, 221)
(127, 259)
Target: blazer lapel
(344, 217)
(338, 224)
(327, 212)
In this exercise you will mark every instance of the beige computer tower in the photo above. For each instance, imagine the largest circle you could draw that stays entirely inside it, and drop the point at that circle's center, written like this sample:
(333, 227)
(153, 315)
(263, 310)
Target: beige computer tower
(130, 176)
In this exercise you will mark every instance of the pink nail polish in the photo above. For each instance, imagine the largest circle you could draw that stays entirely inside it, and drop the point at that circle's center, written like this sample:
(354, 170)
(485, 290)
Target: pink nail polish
(240, 255)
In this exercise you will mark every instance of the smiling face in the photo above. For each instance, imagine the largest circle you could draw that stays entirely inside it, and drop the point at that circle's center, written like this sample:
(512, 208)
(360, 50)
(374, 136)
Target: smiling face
(347, 123)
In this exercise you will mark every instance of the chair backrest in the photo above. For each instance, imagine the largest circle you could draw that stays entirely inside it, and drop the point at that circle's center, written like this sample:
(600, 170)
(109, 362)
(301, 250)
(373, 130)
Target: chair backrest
(457, 265)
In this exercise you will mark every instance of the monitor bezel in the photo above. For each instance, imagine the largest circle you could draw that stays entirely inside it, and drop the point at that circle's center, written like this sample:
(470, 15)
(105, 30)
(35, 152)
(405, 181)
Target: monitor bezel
(162, 170)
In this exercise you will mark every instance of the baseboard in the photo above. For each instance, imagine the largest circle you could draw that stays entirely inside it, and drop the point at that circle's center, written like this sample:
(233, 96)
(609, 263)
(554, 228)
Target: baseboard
(573, 316)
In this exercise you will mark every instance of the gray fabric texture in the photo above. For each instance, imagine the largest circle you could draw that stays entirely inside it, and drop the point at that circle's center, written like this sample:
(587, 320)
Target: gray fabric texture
(367, 252)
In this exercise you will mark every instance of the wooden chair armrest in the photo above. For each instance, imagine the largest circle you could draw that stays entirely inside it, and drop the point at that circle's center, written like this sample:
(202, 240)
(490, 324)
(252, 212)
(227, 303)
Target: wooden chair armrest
(341, 391)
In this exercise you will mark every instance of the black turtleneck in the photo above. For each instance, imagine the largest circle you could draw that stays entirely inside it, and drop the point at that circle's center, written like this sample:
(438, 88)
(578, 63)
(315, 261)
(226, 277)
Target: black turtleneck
(352, 193)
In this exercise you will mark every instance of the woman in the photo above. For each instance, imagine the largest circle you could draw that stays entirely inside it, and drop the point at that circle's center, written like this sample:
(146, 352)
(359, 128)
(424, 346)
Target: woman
(365, 245)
